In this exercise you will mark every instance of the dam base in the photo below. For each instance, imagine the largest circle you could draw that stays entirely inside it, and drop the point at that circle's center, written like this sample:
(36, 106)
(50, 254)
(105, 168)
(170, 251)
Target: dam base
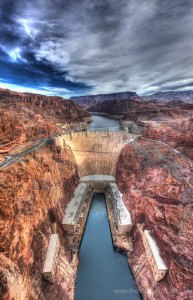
(98, 184)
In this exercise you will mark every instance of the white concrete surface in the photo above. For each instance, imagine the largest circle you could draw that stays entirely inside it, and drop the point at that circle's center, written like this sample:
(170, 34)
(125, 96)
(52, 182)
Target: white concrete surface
(161, 266)
(121, 212)
(98, 178)
(74, 205)
(51, 258)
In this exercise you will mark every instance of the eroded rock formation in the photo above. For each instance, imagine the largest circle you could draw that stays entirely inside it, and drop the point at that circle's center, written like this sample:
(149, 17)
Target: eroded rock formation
(29, 117)
(177, 132)
(170, 96)
(154, 174)
(157, 186)
(21, 124)
(135, 108)
(87, 101)
(52, 108)
(185, 96)
(34, 193)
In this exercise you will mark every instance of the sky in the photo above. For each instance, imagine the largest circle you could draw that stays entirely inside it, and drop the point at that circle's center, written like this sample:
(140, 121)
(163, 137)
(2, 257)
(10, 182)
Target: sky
(70, 48)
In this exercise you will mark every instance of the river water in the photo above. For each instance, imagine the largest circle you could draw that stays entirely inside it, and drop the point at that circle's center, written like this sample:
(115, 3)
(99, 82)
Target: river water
(103, 273)
(103, 123)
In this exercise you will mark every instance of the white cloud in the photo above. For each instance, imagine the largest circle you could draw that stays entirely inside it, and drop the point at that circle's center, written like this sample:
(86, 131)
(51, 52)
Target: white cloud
(29, 28)
(15, 54)
(47, 91)
(138, 45)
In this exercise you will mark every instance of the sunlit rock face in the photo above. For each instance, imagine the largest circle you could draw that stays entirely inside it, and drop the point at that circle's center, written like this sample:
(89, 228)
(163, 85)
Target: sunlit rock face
(157, 187)
(34, 193)
(20, 124)
(52, 108)
(26, 117)
(177, 132)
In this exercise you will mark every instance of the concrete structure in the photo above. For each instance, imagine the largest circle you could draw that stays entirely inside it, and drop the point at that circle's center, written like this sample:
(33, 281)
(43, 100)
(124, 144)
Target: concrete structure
(76, 215)
(159, 268)
(99, 183)
(73, 208)
(121, 213)
(58, 141)
(97, 152)
(51, 258)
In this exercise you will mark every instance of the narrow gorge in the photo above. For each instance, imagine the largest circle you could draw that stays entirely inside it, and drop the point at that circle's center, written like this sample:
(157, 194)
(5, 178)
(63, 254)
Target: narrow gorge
(103, 207)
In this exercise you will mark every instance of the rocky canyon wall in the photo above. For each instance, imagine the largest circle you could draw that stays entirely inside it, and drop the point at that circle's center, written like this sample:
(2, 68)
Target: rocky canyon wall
(34, 193)
(177, 132)
(21, 124)
(157, 186)
(51, 108)
(87, 101)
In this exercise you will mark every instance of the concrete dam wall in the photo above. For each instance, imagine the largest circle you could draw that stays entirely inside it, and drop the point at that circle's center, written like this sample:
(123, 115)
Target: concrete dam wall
(97, 152)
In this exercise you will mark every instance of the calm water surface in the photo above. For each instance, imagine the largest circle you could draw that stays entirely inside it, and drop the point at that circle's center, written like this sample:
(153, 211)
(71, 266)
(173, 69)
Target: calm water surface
(103, 273)
(104, 123)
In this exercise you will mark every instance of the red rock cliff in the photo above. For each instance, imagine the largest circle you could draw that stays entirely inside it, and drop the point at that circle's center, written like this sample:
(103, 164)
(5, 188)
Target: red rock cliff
(33, 193)
(53, 108)
(22, 124)
(177, 132)
(157, 187)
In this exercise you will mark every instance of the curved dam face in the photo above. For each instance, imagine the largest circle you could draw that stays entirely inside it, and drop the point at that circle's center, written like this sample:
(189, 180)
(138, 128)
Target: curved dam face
(97, 152)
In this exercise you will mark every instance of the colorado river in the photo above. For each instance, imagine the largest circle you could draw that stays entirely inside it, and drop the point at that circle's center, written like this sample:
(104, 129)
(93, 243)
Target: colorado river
(103, 273)
(103, 123)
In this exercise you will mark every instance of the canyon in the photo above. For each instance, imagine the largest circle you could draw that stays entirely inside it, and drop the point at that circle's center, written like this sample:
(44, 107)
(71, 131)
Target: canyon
(87, 101)
(170, 96)
(34, 192)
(151, 159)
(156, 182)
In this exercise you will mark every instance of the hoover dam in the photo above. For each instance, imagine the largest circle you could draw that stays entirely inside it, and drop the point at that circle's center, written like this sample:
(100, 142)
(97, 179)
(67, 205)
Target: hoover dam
(96, 150)
(97, 210)
(96, 154)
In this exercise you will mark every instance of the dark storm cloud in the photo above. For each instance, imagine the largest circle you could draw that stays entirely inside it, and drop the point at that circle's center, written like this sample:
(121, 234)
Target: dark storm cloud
(78, 47)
